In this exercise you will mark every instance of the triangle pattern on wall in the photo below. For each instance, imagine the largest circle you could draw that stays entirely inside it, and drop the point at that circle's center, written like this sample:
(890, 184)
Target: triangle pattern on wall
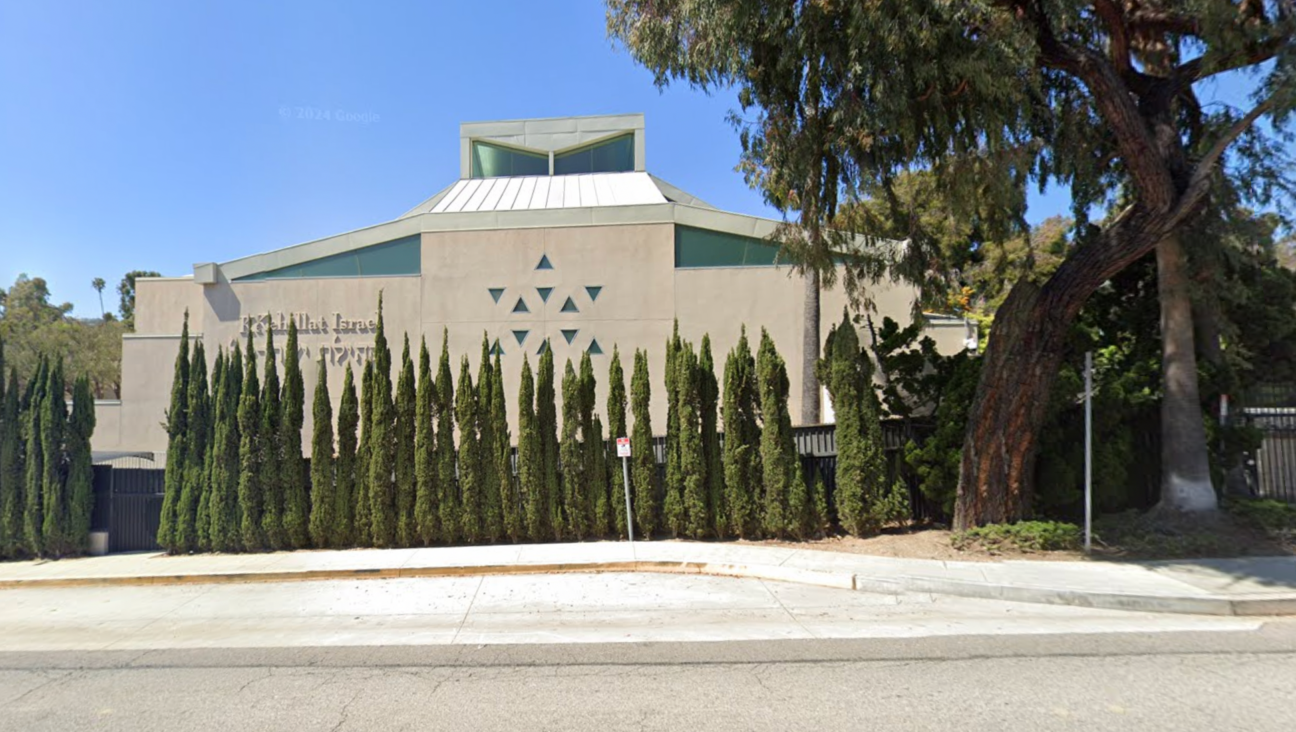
(570, 306)
(496, 293)
(543, 347)
(594, 349)
(496, 350)
(570, 335)
(593, 291)
(544, 262)
(521, 335)
(521, 306)
(544, 293)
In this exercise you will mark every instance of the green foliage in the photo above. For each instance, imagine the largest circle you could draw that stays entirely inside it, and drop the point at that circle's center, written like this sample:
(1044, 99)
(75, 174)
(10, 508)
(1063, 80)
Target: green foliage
(512, 510)
(488, 430)
(616, 410)
(203, 519)
(470, 457)
(426, 518)
(11, 471)
(34, 473)
(343, 531)
(673, 498)
(404, 452)
(382, 441)
(861, 465)
(936, 461)
(594, 484)
(1026, 536)
(363, 507)
(712, 458)
(531, 461)
(743, 474)
(224, 509)
(293, 475)
(575, 512)
(80, 480)
(323, 496)
(547, 422)
(272, 447)
(197, 436)
(55, 540)
(447, 481)
(1273, 517)
(778, 450)
(177, 429)
(643, 465)
(126, 289)
(695, 521)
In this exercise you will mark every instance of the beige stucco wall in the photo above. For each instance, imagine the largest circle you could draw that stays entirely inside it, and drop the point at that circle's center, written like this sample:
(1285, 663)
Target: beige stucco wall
(107, 431)
(641, 294)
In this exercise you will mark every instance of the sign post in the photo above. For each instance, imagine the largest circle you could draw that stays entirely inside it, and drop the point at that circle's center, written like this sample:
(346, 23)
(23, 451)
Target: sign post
(623, 452)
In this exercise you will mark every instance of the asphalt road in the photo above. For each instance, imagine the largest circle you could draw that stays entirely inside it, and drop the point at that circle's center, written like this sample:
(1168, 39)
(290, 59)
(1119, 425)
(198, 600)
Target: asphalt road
(1157, 681)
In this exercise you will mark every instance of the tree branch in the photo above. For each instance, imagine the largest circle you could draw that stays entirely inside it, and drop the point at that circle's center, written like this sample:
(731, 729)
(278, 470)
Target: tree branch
(1199, 184)
(1119, 46)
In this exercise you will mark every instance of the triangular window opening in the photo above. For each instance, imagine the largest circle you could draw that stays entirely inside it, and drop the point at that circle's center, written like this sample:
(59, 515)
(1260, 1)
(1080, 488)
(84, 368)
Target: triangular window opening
(543, 347)
(521, 306)
(570, 335)
(545, 292)
(544, 262)
(570, 306)
(496, 350)
(593, 291)
(594, 349)
(496, 293)
(521, 335)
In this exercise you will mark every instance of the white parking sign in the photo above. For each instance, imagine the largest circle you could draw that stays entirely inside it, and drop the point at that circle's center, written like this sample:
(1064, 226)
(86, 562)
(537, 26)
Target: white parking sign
(623, 447)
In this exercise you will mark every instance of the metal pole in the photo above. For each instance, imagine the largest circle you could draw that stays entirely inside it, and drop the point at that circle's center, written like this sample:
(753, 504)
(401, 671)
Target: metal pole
(1088, 478)
(625, 474)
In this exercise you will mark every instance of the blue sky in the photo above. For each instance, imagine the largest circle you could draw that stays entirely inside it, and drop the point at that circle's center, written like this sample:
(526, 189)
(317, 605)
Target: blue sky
(153, 135)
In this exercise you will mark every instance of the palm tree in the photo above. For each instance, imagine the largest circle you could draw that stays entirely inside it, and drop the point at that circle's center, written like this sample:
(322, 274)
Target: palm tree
(99, 284)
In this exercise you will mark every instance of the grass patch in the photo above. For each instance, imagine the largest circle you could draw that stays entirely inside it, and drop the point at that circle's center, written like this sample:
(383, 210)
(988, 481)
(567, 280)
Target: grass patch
(1024, 536)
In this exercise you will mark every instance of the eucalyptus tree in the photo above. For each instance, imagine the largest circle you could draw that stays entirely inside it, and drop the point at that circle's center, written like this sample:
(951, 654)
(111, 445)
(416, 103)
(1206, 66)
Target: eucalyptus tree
(992, 96)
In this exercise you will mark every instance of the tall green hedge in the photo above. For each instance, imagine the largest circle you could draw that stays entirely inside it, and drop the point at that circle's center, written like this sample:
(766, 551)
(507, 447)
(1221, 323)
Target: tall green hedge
(323, 494)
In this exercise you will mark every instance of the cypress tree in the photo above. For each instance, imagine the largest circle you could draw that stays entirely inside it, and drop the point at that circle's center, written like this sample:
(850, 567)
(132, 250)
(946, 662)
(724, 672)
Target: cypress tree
(470, 457)
(8, 490)
(177, 429)
(594, 483)
(294, 478)
(574, 511)
(616, 411)
(778, 449)
(344, 503)
(547, 421)
(447, 481)
(272, 447)
(11, 470)
(406, 527)
(531, 460)
(708, 400)
(251, 455)
(34, 477)
(742, 467)
(363, 507)
(512, 512)
(382, 492)
(225, 510)
(696, 521)
(53, 484)
(80, 481)
(643, 463)
(204, 521)
(673, 498)
(194, 477)
(492, 524)
(323, 496)
(598, 456)
(426, 518)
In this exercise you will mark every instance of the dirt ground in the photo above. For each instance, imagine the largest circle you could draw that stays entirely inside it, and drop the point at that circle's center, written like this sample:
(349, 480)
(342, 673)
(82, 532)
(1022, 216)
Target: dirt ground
(922, 543)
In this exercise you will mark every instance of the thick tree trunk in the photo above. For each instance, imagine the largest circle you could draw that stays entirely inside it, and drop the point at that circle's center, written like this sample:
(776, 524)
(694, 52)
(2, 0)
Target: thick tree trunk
(810, 351)
(1021, 363)
(1185, 469)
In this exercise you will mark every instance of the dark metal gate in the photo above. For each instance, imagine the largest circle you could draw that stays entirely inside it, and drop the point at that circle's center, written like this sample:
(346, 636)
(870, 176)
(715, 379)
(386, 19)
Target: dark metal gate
(128, 504)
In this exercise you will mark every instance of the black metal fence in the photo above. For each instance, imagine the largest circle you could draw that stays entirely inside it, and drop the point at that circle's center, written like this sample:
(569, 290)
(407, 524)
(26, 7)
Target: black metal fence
(128, 501)
(1272, 469)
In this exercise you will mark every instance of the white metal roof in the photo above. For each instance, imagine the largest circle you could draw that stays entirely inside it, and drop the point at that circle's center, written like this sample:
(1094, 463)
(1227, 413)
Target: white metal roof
(531, 193)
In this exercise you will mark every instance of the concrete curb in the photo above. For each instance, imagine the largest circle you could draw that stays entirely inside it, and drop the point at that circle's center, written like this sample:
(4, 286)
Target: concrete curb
(1237, 605)
(1240, 605)
(819, 578)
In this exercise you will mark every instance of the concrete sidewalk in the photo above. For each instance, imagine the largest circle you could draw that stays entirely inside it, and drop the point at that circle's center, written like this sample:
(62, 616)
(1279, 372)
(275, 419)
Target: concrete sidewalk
(1259, 586)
